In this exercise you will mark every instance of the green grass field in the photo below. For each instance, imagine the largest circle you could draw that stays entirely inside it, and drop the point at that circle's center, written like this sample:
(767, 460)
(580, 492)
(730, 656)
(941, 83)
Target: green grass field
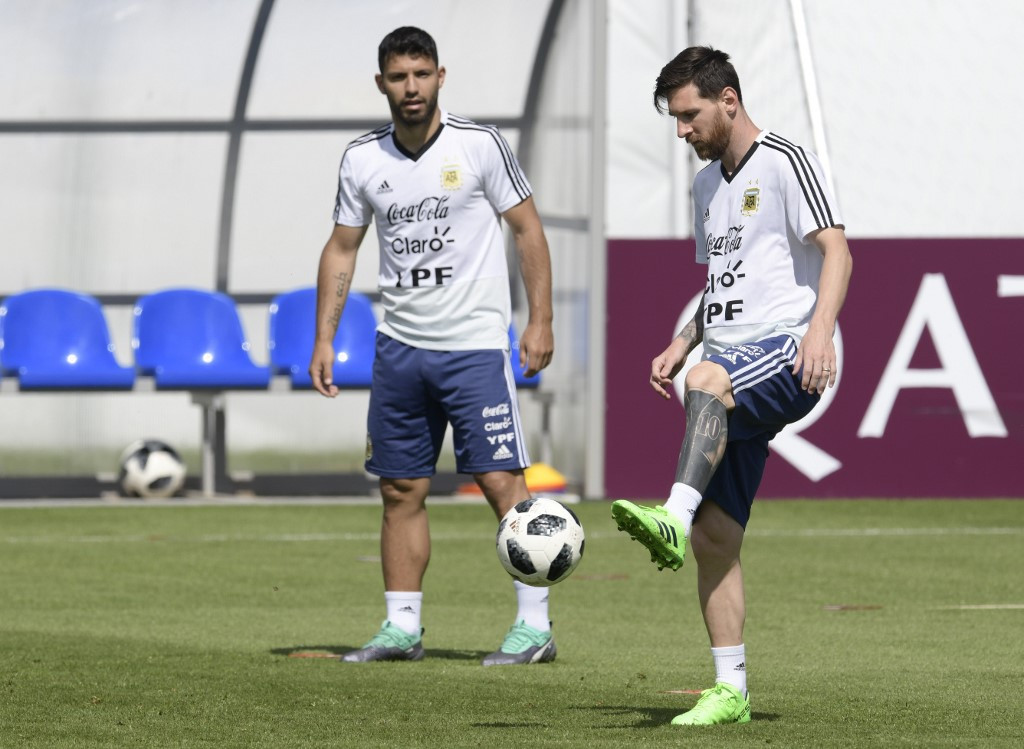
(870, 624)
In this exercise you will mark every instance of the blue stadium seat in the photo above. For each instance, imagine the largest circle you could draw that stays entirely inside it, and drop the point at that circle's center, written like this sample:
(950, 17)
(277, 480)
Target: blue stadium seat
(292, 328)
(53, 339)
(191, 339)
(522, 381)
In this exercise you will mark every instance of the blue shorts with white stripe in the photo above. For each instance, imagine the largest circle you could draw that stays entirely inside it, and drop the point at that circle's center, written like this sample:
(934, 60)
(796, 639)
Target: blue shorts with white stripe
(768, 397)
(416, 393)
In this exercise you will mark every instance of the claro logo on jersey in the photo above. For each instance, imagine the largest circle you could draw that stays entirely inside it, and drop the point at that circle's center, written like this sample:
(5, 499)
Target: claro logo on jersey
(414, 246)
(428, 209)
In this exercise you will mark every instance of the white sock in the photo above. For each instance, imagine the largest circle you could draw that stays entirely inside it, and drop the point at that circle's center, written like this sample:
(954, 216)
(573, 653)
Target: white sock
(533, 606)
(404, 609)
(731, 666)
(683, 503)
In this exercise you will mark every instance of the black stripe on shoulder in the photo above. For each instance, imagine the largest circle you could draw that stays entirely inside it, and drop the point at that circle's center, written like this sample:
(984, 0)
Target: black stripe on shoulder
(813, 192)
(370, 137)
(515, 172)
(814, 175)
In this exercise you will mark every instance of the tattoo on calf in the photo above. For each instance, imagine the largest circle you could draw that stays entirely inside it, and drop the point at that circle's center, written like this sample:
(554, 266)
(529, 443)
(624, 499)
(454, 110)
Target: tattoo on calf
(706, 434)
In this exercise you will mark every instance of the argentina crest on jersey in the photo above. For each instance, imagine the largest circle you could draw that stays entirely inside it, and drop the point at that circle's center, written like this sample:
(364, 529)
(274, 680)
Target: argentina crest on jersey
(451, 177)
(751, 199)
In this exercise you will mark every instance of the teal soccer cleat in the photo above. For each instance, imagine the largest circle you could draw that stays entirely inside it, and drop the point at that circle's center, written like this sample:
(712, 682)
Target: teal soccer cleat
(523, 644)
(389, 644)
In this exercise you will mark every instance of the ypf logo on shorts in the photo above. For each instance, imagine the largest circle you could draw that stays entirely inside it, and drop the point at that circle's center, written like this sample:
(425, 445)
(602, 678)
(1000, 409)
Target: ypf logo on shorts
(490, 412)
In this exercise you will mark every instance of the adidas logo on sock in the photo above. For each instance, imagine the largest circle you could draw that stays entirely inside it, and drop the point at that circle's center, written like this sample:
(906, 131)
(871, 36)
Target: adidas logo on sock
(502, 453)
(741, 667)
(384, 187)
(407, 609)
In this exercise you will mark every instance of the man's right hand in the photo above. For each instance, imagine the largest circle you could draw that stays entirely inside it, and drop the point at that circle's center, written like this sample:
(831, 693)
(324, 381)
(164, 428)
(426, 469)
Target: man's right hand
(666, 366)
(321, 369)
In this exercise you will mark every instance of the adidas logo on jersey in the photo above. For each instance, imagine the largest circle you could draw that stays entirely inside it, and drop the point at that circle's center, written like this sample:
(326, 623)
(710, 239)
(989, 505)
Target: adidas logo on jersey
(502, 453)
(707, 214)
(384, 187)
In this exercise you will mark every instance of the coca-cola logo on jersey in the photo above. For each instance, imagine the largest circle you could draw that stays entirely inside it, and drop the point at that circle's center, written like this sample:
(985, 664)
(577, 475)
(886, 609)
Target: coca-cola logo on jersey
(428, 209)
(725, 245)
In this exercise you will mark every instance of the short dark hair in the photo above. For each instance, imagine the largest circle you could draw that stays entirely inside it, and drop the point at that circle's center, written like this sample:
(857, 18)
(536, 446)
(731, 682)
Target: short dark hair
(707, 68)
(406, 40)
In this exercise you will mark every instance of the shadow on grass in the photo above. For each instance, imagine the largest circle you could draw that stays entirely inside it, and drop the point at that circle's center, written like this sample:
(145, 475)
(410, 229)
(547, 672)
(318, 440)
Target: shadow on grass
(336, 651)
(655, 716)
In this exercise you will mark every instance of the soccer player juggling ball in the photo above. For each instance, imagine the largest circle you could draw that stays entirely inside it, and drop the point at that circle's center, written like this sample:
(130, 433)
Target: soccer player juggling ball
(778, 263)
(436, 184)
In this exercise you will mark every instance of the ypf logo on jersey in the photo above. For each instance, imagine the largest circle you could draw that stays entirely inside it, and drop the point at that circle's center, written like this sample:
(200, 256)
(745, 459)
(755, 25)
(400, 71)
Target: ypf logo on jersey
(751, 200)
(451, 177)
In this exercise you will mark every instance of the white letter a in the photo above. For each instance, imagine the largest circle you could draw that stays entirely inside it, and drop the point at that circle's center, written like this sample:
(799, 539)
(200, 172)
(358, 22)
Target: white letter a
(934, 308)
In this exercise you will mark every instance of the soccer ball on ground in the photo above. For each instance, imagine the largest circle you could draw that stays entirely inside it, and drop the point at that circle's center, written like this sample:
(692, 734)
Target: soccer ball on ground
(151, 469)
(540, 541)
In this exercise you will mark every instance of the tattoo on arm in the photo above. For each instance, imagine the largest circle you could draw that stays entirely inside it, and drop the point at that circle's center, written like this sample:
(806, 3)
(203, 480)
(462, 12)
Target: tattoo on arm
(693, 331)
(335, 317)
(689, 334)
(340, 293)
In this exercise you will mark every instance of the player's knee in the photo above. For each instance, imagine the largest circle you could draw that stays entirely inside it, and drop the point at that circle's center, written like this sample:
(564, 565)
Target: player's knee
(710, 377)
(402, 494)
(701, 544)
(714, 541)
(503, 489)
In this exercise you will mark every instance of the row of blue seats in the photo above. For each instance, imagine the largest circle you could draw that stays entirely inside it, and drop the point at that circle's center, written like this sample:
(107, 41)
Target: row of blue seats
(185, 339)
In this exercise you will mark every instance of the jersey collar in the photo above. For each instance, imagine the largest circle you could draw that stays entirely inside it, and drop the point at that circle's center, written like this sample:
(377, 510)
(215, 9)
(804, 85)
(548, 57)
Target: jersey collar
(745, 159)
(426, 146)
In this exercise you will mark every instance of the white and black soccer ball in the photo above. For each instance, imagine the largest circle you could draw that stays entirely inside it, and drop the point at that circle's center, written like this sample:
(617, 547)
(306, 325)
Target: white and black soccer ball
(540, 541)
(151, 469)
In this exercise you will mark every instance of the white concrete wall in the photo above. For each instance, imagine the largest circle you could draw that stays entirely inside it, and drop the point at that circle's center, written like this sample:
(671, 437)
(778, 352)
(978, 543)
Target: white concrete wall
(918, 98)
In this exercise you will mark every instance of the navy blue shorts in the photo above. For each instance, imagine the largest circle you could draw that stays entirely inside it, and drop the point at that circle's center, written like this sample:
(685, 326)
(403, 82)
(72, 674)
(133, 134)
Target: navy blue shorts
(768, 396)
(416, 393)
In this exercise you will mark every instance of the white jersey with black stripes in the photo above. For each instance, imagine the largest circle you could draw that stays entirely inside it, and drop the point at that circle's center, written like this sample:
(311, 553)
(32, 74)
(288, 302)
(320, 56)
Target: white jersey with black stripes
(751, 228)
(443, 275)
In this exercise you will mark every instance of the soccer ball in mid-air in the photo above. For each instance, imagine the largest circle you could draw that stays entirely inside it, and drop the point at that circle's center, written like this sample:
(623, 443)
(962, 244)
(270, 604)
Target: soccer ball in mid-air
(540, 541)
(151, 469)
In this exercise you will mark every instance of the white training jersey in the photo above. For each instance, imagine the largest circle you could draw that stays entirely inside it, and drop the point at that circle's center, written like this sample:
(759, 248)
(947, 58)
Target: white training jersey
(751, 228)
(443, 275)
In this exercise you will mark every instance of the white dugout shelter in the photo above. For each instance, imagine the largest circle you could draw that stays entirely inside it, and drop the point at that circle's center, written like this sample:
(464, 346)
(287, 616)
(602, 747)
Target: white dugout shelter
(149, 144)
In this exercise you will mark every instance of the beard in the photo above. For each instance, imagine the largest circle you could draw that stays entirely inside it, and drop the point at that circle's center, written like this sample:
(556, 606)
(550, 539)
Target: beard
(713, 146)
(411, 120)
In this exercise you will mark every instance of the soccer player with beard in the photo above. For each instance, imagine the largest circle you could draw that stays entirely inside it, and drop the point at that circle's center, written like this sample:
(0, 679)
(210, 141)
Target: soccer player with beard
(437, 186)
(778, 269)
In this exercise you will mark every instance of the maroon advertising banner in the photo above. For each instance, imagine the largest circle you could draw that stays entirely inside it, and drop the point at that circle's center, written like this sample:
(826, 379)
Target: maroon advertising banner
(930, 396)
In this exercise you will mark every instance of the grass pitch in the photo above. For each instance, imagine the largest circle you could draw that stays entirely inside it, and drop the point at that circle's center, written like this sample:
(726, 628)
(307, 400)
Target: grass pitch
(869, 624)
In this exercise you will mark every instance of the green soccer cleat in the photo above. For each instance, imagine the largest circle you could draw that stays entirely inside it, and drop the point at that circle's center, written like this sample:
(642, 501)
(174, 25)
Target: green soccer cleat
(523, 644)
(654, 527)
(390, 644)
(723, 703)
